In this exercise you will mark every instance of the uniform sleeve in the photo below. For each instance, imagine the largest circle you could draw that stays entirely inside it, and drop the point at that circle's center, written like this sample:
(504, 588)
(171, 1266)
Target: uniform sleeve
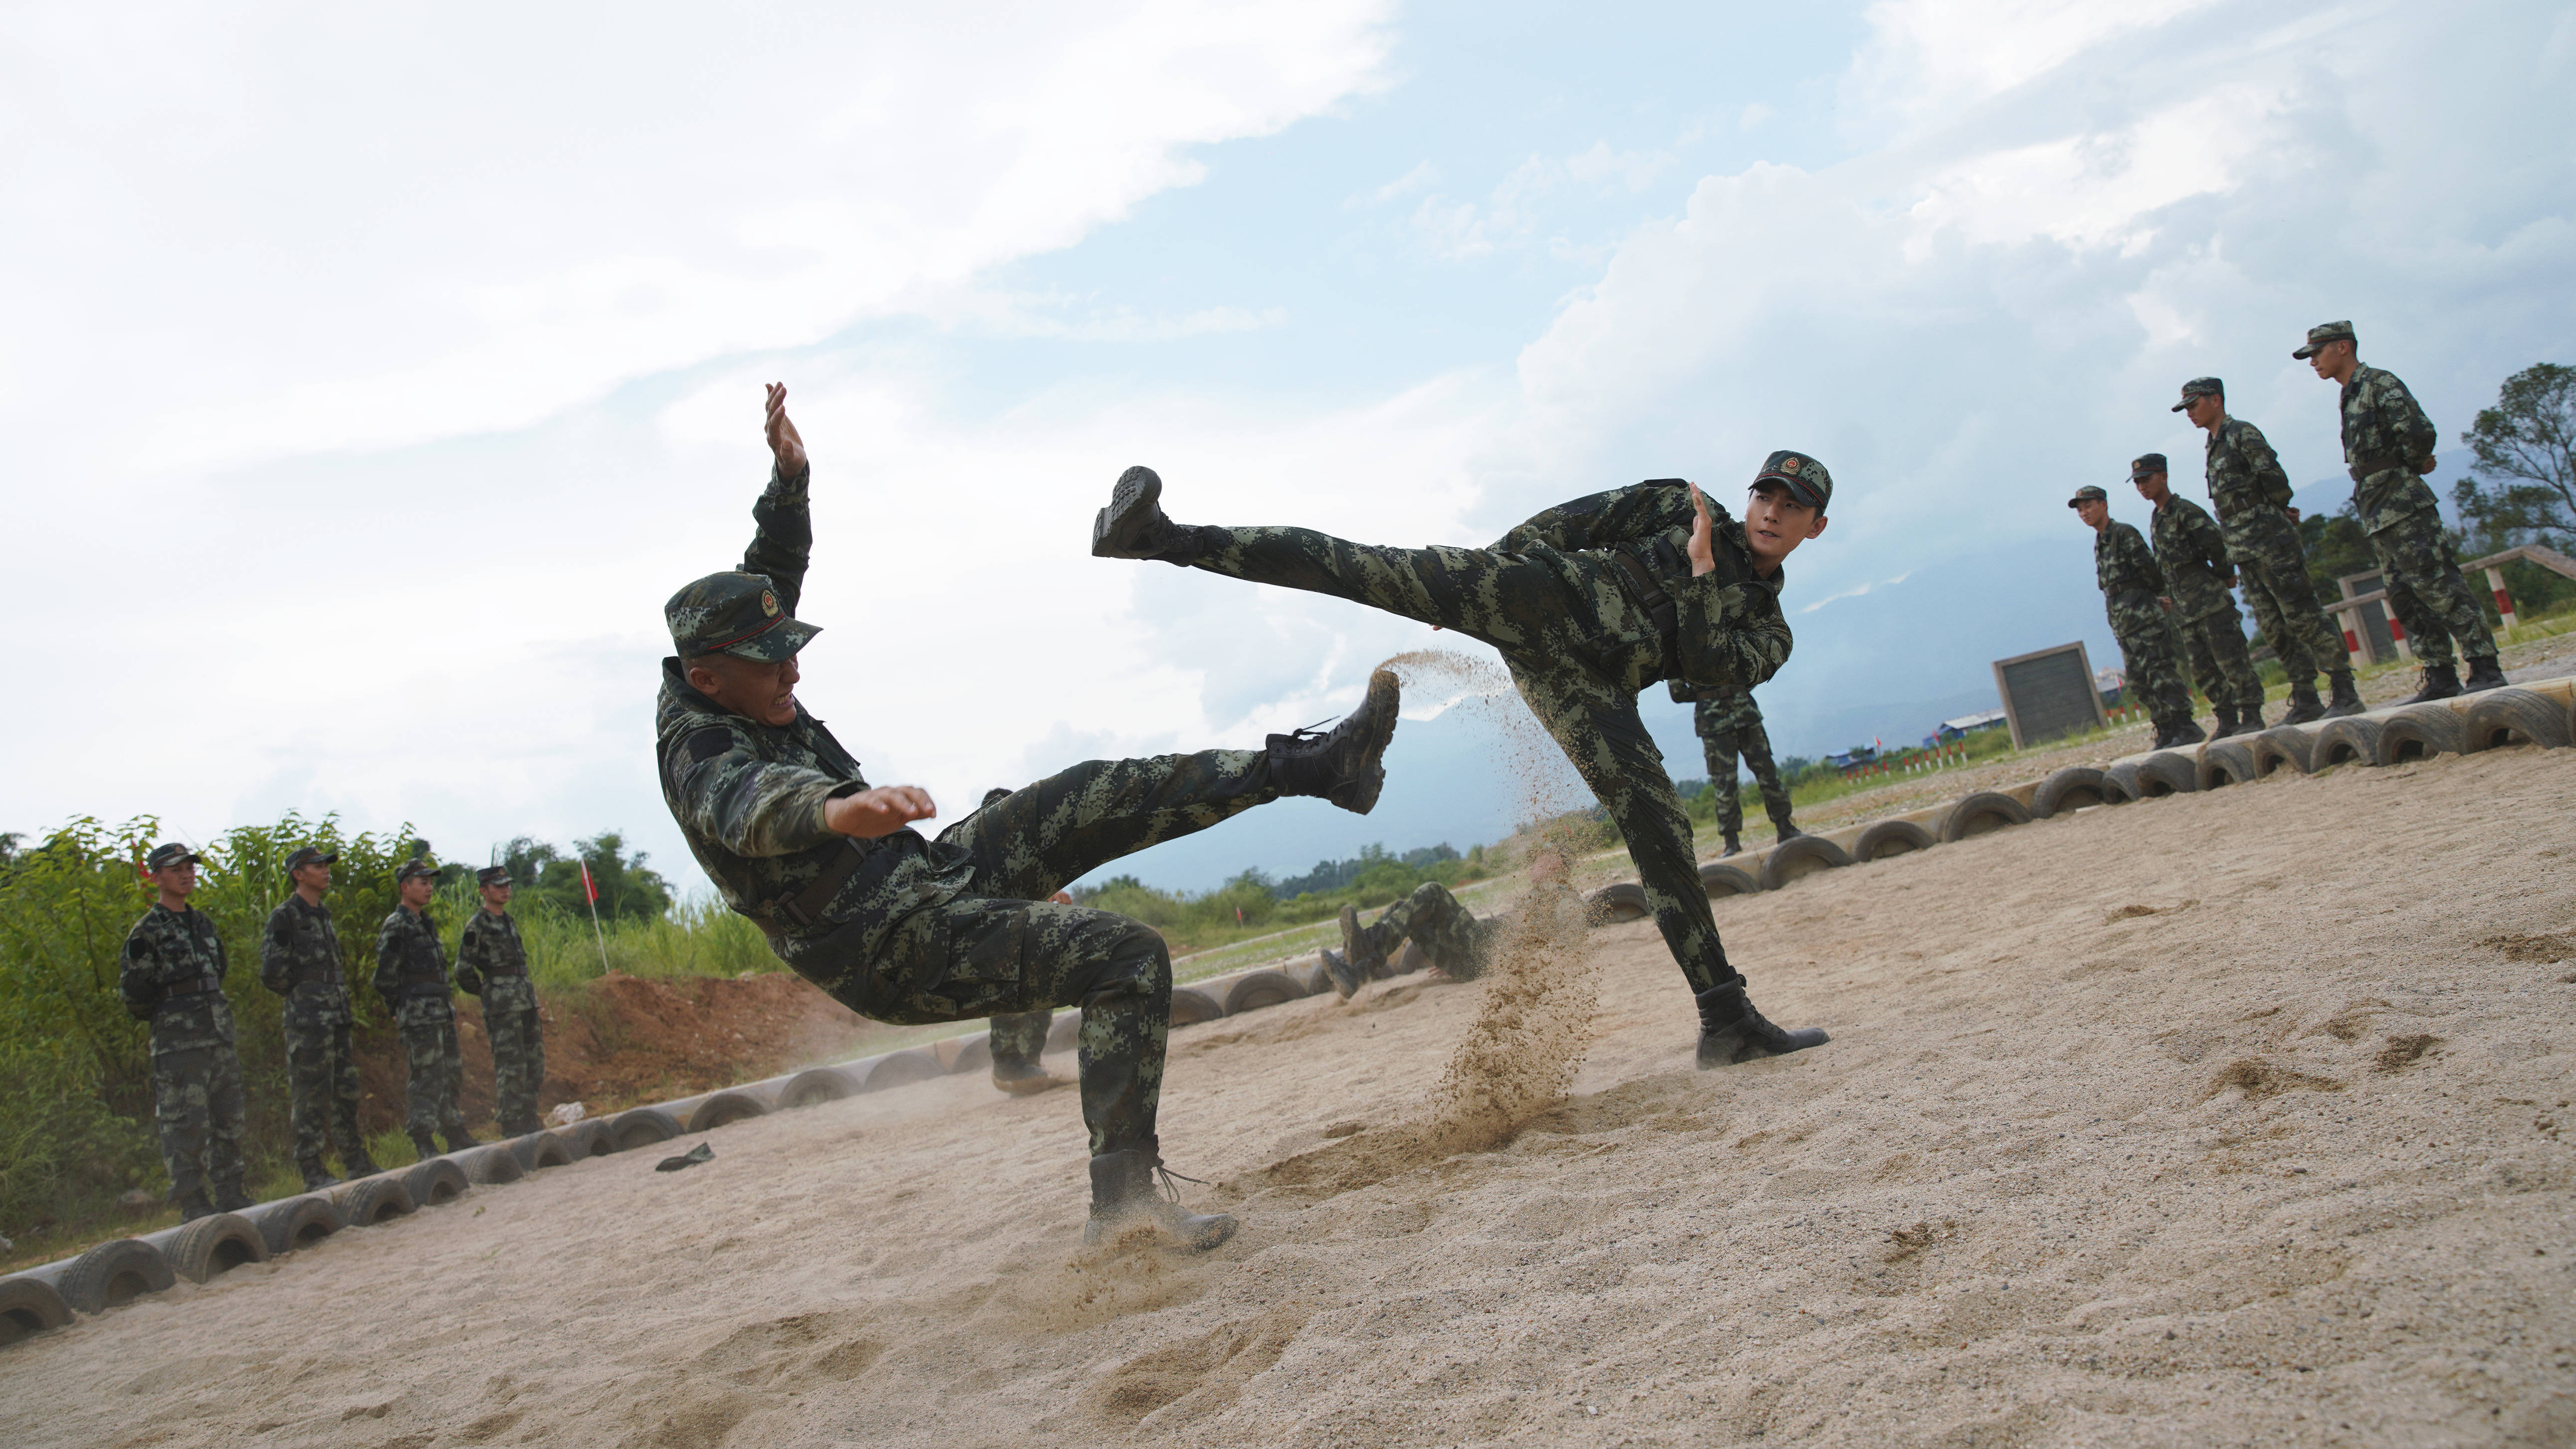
(138, 975)
(1617, 516)
(473, 954)
(2206, 544)
(389, 956)
(2263, 464)
(223, 958)
(1727, 637)
(2404, 419)
(277, 953)
(783, 540)
(720, 788)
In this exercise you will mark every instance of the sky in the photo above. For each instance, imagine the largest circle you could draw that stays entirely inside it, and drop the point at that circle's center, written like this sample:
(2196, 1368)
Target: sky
(372, 374)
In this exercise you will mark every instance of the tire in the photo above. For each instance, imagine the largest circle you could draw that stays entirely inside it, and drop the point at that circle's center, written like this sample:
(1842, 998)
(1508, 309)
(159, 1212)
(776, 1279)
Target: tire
(372, 1200)
(30, 1306)
(2225, 762)
(2074, 788)
(1257, 989)
(114, 1273)
(435, 1183)
(722, 1109)
(1721, 880)
(490, 1164)
(814, 1086)
(1979, 813)
(642, 1127)
(2282, 746)
(217, 1244)
(2352, 740)
(2419, 732)
(297, 1222)
(975, 1056)
(1066, 1031)
(1190, 1006)
(588, 1137)
(1625, 901)
(900, 1069)
(1891, 837)
(1800, 856)
(1312, 975)
(2503, 717)
(537, 1150)
(2166, 772)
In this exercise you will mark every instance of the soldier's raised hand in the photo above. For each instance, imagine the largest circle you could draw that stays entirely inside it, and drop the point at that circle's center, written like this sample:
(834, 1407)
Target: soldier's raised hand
(1703, 556)
(878, 812)
(784, 444)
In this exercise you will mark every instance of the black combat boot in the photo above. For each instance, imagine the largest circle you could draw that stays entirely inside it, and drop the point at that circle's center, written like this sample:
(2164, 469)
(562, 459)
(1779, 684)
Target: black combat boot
(1785, 832)
(2188, 732)
(458, 1139)
(359, 1164)
(425, 1145)
(1358, 960)
(2345, 701)
(229, 1197)
(2226, 722)
(316, 1178)
(1347, 979)
(2304, 704)
(2250, 721)
(1346, 765)
(1124, 1195)
(1733, 846)
(1731, 1031)
(193, 1205)
(1133, 525)
(2441, 681)
(2484, 674)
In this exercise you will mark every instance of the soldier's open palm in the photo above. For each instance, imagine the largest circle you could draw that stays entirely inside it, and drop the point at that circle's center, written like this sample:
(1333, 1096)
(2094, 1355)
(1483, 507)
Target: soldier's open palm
(784, 443)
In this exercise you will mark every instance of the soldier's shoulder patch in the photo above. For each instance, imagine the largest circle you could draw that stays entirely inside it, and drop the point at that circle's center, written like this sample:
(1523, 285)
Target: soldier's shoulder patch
(707, 743)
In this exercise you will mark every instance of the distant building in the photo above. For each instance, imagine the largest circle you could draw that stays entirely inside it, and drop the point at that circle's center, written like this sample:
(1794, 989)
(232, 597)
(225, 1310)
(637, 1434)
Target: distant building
(1856, 755)
(1968, 724)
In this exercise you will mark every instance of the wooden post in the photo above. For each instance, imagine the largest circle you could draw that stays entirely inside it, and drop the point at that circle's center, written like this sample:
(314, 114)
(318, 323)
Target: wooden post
(2504, 601)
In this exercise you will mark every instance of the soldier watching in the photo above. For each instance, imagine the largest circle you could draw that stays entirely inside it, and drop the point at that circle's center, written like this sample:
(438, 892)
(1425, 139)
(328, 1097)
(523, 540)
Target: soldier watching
(171, 975)
(299, 959)
(2388, 447)
(411, 975)
(2252, 495)
(492, 963)
(2132, 588)
(1729, 724)
(2193, 555)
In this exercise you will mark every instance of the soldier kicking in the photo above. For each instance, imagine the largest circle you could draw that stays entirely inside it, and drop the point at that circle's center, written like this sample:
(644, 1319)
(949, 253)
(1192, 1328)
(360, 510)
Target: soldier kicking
(903, 928)
(1589, 602)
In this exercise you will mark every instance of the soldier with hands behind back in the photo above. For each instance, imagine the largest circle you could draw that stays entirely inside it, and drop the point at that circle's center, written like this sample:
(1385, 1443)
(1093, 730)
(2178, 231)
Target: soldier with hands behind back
(299, 959)
(2193, 555)
(171, 975)
(411, 975)
(492, 963)
(2132, 592)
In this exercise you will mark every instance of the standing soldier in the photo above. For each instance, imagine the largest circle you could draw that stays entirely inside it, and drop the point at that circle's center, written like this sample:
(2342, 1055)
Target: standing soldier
(2252, 495)
(2193, 555)
(1730, 723)
(411, 975)
(299, 959)
(2388, 446)
(172, 975)
(2131, 584)
(492, 964)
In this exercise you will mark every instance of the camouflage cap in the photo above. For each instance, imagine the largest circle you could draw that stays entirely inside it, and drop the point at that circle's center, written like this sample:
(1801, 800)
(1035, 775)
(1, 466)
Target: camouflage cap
(2320, 335)
(2200, 387)
(492, 875)
(735, 614)
(1808, 481)
(2146, 463)
(304, 855)
(2088, 494)
(410, 868)
(165, 856)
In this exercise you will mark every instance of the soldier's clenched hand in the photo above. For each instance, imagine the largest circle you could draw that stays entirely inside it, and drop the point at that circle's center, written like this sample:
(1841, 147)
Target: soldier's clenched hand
(784, 444)
(1702, 555)
(881, 811)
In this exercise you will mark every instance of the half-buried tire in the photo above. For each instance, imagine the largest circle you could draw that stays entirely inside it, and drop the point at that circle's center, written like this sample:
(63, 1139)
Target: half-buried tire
(588, 1137)
(814, 1086)
(1254, 990)
(493, 1163)
(2149, 777)
(1891, 837)
(724, 1108)
(1190, 1006)
(2224, 763)
(297, 1222)
(30, 1306)
(2074, 788)
(1721, 880)
(975, 1056)
(214, 1244)
(2420, 732)
(2282, 746)
(1800, 855)
(2352, 740)
(642, 1127)
(373, 1200)
(1625, 901)
(899, 1069)
(1979, 813)
(114, 1273)
(539, 1150)
(435, 1183)
(2502, 717)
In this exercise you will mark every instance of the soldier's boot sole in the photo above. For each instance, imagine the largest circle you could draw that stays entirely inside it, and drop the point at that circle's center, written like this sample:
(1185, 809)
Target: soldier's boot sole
(1133, 525)
(1731, 1031)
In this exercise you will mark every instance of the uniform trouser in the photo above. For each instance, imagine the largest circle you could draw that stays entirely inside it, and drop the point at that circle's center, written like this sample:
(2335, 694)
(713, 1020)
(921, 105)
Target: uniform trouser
(197, 1103)
(1754, 744)
(1450, 934)
(2421, 570)
(2219, 662)
(427, 1026)
(2273, 571)
(2148, 656)
(1003, 949)
(518, 1058)
(1578, 668)
(322, 1087)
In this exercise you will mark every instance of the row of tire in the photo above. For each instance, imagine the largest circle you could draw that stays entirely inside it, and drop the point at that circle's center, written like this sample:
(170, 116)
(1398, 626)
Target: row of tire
(2496, 719)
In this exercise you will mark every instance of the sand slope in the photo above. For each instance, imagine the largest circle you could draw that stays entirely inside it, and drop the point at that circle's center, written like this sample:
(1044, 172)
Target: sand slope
(2229, 1118)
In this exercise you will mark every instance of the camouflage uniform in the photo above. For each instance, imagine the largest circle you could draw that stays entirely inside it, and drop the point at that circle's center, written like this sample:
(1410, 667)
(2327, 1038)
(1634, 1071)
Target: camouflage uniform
(2131, 583)
(171, 974)
(2387, 445)
(492, 963)
(909, 929)
(1729, 725)
(2193, 556)
(1580, 631)
(299, 959)
(411, 975)
(2250, 489)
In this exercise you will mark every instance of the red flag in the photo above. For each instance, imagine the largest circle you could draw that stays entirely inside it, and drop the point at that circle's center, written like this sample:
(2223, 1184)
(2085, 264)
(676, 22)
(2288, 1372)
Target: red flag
(587, 888)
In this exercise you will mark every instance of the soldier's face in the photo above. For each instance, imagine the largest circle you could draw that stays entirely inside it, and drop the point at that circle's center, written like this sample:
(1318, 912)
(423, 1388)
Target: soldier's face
(2094, 511)
(749, 687)
(497, 897)
(2153, 488)
(2330, 360)
(179, 880)
(2204, 410)
(316, 878)
(417, 890)
(1775, 523)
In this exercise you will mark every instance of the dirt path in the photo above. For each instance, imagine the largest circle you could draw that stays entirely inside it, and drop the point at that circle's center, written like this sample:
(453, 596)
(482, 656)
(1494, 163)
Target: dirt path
(2222, 1119)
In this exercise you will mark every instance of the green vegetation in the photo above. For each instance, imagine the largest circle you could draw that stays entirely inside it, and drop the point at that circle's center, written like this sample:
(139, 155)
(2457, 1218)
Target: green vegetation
(1250, 905)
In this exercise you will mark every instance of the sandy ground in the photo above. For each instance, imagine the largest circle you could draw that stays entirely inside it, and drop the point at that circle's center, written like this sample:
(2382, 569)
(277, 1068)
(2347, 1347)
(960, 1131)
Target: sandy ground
(2222, 1119)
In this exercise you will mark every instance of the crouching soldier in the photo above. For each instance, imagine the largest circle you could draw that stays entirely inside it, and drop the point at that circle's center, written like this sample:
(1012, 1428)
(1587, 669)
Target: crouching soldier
(299, 959)
(492, 964)
(411, 975)
(172, 975)
(1460, 943)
